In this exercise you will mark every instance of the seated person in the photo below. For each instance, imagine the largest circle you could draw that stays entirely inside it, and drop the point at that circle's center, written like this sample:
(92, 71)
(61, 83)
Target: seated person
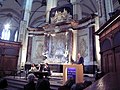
(39, 67)
(47, 68)
(30, 85)
(33, 68)
(43, 84)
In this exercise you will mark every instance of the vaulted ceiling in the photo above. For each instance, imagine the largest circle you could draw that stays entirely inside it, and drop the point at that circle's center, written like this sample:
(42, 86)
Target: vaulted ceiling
(12, 11)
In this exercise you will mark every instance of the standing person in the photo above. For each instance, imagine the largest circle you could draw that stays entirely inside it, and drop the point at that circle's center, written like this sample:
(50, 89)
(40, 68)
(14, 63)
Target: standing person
(80, 59)
(47, 68)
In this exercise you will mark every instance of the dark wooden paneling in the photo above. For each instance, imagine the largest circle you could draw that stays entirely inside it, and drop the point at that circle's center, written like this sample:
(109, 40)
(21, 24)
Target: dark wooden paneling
(108, 62)
(110, 46)
(105, 45)
(13, 51)
(111, 62)
(10, 63)
(103, 64)
(116, 39)
(9, 53)
(117, 58)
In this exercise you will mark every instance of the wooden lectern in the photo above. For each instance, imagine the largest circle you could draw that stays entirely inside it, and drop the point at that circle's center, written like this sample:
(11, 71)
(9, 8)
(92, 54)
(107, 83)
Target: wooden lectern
(73, 71)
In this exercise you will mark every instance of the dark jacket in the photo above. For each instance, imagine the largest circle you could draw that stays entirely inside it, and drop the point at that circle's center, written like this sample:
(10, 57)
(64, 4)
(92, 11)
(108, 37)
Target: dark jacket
(48, 70)
(81, 61)
(30, 86)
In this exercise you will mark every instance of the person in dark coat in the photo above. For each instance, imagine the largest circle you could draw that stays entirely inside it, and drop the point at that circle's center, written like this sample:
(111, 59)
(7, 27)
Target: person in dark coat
(80, 59)
(43, 84)
(3, 83)
(47, 68)
(30, 85)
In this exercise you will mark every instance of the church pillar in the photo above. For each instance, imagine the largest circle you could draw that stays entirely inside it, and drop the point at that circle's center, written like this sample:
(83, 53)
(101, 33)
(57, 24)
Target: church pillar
(74, 45)
(23, 33)
(97, 44)
(108, 8)
(101, 11)
(77, 15)
(50, 4)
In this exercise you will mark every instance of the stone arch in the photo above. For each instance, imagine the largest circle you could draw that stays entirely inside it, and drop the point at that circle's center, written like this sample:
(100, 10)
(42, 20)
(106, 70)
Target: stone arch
(13, 17)
(37, 20)
(116, 39)
(106, 45)
(14, 12)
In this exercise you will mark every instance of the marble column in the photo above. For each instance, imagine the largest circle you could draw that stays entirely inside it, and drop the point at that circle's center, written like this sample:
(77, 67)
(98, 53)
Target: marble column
(108, 8)
(74, 52)
(50, 4)
(77, 15)
(77, 10)
(97, 43)
(23, 33)
(101, 11)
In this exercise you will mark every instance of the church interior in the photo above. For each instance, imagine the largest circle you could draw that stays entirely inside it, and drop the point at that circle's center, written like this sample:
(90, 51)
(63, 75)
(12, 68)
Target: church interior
(51, 33)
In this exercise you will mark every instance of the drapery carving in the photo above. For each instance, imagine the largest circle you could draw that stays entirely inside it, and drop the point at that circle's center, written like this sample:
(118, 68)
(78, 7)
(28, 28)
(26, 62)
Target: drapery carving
(58, 47)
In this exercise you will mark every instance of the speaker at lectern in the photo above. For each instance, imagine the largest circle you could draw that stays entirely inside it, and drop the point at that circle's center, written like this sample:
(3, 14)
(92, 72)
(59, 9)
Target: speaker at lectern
(74, 71)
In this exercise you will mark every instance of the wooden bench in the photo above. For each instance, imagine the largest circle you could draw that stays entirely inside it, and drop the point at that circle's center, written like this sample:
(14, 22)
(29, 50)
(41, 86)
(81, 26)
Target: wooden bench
(110, 81)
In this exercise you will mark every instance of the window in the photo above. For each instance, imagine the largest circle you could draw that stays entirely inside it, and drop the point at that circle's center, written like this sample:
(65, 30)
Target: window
(16, 34)
(6, 32)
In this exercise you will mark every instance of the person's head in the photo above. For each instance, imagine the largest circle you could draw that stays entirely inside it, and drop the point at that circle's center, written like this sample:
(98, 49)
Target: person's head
(33, 65)
(79, 55)
(31, 77)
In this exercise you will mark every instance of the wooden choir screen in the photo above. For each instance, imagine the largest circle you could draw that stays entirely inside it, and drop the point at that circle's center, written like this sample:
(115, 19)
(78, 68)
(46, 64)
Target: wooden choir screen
(9, 53)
